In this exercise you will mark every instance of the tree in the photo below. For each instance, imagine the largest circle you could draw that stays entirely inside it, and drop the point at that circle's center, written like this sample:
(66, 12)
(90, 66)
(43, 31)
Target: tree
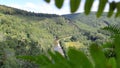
(74, 5)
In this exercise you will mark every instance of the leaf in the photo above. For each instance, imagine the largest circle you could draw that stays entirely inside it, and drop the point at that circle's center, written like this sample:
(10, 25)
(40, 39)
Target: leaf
(59, 60)
(107, 45)
(98, 56)
(41, 60)
(88, 5)
(78, 59)
(74, 5)
(57, 57)
(101, 7)
(111, 63)
(111, 9)
(48, 1)
(117, 49)
(28, 58)
(59, 3)
(118, 9)
(114, 29)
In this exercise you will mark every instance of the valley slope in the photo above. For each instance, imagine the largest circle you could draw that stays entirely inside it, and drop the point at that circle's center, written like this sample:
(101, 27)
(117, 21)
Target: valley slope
(29, 33)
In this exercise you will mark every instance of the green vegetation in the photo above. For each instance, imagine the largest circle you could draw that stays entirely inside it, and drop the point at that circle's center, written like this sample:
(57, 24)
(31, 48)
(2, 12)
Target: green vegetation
(75, 4)
(105, 56)
(33, 34)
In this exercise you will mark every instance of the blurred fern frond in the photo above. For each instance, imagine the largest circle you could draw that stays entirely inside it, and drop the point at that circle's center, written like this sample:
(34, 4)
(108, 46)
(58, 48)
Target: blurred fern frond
(75, 4)
(113, 29)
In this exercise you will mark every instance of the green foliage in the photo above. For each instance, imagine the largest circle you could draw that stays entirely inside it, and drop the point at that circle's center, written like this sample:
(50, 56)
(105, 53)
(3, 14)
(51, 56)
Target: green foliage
(37, 27)
(98, 56)
(111, 9)
(31, 34)
(13, 11)
(117, 49)
(74, 38)
(101, 7)
(44, 60)
(111, 63)
(88, 5)
(59, 3)
(114, 29)
(118, 9)
(74, 4)
(48, 1)
(57, 60)
(7, 56)
(78, 59)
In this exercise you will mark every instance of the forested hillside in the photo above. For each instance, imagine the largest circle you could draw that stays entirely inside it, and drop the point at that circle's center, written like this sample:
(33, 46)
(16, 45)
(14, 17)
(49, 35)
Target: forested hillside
(90, 25)
(29, 33)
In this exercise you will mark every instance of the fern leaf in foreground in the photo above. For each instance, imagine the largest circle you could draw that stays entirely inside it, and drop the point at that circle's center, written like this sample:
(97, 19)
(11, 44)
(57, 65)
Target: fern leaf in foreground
(117, 50)
(98, 56)
(111, 63)
(78, 59)
(114, 29)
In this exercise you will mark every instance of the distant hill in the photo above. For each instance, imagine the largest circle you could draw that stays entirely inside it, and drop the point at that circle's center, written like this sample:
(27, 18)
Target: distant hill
(29, 33)
(14, 11)
(91, 19)
(90, 23)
